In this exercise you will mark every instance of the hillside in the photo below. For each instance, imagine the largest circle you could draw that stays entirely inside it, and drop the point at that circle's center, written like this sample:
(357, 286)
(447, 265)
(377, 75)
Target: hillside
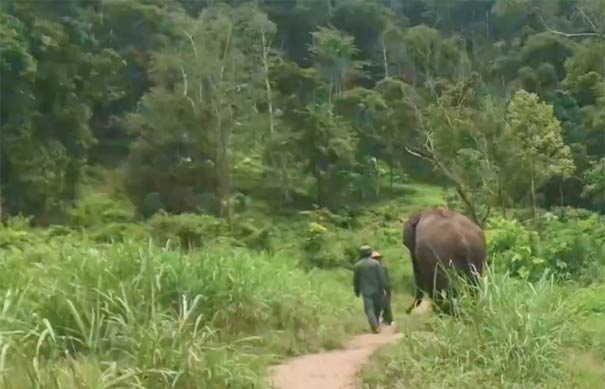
(185, 184)
(120, 302)
(124, 303)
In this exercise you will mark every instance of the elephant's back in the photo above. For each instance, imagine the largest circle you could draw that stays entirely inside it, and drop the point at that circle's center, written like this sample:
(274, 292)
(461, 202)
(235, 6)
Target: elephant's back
(449, 235)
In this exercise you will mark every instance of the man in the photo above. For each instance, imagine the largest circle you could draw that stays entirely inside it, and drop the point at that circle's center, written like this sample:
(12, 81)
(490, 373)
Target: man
(387, 313)
(369, 282)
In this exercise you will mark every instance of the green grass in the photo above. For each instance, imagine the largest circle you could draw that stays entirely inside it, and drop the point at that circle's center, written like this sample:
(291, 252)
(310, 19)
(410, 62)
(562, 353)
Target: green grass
(77, 313)
(517, 335)
(104, 307)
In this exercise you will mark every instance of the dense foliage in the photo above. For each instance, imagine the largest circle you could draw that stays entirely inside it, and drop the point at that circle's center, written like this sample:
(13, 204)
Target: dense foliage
(503, 99)
(139, 315)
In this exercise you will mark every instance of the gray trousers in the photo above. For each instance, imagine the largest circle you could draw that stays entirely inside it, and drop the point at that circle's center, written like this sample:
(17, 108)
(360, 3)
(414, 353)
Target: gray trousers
(372, 306)
(387, 313)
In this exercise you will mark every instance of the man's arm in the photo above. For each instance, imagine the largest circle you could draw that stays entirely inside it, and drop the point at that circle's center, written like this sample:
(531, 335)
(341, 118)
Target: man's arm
(356, 281)
(387, 278)
(382, 281)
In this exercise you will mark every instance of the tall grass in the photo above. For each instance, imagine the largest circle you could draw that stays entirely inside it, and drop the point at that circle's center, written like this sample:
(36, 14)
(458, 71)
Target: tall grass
(78, 314)
(511, 335)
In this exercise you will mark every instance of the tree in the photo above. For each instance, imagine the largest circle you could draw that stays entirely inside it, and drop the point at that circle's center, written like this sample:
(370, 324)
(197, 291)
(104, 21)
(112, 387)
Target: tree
(209, 84)
(377, 31)
(385, 119)
(459, 134)
(537, 149)
(432, 56)
(334, 55)
(594, 189)
(53, 75)
(322, 139)
(133, 29)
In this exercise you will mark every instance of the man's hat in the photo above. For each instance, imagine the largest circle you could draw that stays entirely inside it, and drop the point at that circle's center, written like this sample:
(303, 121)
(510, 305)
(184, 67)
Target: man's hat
(365, 250)
(376, 254)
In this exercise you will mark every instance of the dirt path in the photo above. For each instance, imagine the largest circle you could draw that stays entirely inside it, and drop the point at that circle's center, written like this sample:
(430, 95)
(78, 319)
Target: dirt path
(336, 369)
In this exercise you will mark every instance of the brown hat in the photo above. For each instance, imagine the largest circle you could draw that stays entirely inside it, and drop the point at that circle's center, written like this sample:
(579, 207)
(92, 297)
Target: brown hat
(376, 254)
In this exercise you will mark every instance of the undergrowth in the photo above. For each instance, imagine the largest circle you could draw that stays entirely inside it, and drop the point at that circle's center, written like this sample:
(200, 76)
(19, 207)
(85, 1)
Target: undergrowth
(511, 337)
(191, 301)
(133, 314)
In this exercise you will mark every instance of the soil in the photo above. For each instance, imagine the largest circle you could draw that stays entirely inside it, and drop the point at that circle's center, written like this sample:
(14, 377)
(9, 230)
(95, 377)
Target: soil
(336, 369)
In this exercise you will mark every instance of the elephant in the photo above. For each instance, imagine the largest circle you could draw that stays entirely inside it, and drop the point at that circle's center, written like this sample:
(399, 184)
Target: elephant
(438, 237)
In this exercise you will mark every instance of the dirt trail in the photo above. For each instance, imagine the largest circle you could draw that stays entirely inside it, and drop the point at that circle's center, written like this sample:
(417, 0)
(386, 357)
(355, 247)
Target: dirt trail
(336, 369)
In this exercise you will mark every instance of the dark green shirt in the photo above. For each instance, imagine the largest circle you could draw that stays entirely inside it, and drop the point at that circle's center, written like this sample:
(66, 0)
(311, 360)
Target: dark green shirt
(369, 278)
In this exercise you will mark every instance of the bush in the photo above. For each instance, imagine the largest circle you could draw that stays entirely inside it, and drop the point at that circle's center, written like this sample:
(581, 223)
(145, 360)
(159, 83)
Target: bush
(570, 250)
(119, 232)
(573, 247)
(186, 230)
(191, 230)
(321, 247)
(323, 216)
(571, 214)
(252, 234)
(512, 248)
(100, 209)
(17, 234)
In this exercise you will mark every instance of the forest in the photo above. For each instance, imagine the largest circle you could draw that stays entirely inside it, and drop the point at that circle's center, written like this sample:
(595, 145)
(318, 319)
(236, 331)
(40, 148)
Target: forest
(184, 185)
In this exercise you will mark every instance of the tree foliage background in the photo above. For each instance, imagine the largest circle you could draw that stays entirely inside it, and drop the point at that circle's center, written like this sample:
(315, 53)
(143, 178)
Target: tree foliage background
(503, 100)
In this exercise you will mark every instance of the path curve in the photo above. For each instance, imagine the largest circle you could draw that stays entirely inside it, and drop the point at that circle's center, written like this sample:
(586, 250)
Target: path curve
(336, 369)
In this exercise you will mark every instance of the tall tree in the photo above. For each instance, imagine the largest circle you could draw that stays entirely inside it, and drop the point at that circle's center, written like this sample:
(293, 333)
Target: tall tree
(537, 148)
(53, 74)
(210, 81)
(334, 54)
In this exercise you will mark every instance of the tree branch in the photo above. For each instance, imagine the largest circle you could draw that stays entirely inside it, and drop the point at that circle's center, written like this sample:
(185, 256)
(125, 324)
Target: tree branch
(569, 35)
(587, 19)
(457, 185)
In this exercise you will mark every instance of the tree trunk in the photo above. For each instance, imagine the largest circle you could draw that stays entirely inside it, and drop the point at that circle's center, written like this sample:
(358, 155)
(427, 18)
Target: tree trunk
(284, 179)
(533, 197)
(469, 204)
(384, 58)
(268, 84)
(223, 164)
(501, 198)
(224, 140)
(318, 181)
(224, 181)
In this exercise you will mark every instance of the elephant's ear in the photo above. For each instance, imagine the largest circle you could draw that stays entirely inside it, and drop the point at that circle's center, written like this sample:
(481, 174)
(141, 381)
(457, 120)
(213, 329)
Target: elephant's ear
(414, 220)
(409, 230)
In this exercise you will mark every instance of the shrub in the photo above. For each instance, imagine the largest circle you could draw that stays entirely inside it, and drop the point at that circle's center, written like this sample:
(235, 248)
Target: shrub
(252, 234)
(320, 246)
(99, 209)
(119, 232)
(17, 234)
(570, 250)
(512, 248)
(323, 216)
(187, 229)
(573, 247)
(191, 230)
(571, 214)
